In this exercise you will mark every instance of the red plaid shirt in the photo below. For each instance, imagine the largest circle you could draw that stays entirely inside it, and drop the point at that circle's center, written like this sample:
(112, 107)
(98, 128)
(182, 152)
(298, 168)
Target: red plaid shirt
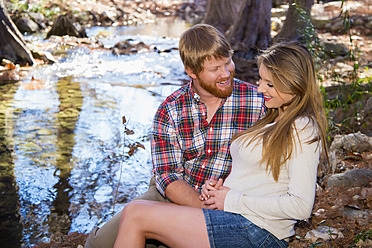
(185, 146)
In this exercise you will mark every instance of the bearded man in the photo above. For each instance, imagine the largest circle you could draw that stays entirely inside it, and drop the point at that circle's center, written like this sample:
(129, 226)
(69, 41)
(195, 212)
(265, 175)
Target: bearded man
(192, 128)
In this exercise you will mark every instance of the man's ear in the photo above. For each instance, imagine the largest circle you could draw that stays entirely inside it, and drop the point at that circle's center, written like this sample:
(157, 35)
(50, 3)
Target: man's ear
(190, 73)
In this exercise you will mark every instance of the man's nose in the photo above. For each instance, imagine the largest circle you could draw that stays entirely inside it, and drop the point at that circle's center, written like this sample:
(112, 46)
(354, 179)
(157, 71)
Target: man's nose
(225, 73)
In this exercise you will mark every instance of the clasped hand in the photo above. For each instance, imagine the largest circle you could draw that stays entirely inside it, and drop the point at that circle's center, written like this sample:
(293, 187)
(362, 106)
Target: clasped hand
(213, 194)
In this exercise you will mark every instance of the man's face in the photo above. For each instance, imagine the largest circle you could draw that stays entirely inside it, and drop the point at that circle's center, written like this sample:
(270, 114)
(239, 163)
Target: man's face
(216, 78)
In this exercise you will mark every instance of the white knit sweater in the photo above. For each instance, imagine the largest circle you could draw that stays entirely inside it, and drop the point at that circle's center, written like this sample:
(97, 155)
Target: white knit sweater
(274, 206)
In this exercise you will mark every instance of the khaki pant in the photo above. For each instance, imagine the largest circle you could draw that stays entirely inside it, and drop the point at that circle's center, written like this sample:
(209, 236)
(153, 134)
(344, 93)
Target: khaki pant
(105, 236)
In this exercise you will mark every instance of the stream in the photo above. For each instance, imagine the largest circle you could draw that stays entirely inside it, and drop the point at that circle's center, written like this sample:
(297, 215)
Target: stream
(68, 162)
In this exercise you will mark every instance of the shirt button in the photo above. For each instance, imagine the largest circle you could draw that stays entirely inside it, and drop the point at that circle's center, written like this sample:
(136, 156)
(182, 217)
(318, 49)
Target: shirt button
(203, 114)
(203, 166)
(211, 129)
(196, 186)
(209, 151)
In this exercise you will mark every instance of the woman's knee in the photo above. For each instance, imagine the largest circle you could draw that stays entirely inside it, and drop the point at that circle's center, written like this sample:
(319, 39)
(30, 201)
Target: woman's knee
(133, 211)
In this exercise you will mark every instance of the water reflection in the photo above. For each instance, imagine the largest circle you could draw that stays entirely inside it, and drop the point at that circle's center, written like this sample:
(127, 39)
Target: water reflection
(71, 154)
(71, 101)
(10, 228)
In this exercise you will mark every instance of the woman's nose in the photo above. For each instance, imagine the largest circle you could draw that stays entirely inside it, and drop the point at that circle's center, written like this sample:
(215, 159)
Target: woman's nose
(260, 88)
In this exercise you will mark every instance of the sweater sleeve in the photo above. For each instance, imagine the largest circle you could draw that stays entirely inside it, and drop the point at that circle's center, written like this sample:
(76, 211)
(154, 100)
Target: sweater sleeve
(298, 201)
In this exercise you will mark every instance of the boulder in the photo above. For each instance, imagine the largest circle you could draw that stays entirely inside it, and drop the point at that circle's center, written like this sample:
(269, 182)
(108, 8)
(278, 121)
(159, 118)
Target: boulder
(64, 25)
(358, 142)
(26, 25)
(323, 232)
(351, 178)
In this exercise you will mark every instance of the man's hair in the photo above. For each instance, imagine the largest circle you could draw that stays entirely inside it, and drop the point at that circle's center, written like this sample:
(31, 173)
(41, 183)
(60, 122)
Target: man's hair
(202, 42)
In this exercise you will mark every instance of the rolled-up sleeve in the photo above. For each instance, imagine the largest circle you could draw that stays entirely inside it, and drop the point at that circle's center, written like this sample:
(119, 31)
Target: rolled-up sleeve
(165, 151)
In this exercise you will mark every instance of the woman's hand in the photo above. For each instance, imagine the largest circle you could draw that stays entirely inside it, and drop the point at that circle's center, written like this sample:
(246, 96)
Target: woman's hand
(209, 185)
(216, 198)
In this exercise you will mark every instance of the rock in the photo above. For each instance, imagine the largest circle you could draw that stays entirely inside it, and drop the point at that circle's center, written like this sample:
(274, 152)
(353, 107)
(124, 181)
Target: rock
(364, 243)
(26, 25)
(369, 24)
(323, 232)
(276, 24)
(362, 216)
(358, 22)
(125, 47)
(39, 19)
(366, 194)
(333, 49)
(352, 142)
(108, 17)
(338, 27)
(357, 142)
(37, 53)
(64, 25)
(351, 178)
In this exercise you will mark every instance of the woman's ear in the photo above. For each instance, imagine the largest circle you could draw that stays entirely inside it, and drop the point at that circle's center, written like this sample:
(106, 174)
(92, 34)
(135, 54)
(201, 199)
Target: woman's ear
(190, 73)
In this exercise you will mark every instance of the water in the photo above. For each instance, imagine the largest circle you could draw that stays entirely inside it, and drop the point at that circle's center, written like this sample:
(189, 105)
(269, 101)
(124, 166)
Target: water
(66, 155)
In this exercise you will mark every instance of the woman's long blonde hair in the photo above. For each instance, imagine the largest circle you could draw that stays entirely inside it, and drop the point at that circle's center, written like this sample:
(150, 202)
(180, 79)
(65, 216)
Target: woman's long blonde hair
(292, 70)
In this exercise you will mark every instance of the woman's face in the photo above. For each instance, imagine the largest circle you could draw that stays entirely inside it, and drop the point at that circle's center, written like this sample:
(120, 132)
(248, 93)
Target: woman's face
(273, 97)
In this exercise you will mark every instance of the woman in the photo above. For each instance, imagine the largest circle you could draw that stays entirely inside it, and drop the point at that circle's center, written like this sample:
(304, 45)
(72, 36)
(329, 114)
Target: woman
(273, 177)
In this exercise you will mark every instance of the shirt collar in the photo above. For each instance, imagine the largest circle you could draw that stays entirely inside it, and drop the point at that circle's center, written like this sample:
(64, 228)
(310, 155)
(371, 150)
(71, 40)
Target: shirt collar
(192, 93)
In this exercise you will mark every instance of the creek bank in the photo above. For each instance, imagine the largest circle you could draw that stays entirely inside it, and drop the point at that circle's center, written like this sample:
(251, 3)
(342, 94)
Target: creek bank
(343, 208)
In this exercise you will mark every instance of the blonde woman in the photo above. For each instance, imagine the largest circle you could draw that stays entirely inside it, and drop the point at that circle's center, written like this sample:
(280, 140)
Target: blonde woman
(273, 177)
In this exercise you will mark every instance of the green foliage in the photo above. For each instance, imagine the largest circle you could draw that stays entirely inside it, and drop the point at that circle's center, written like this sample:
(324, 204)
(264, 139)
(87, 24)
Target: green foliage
(39, 7)
(345, 110)
(344, 107)
(316, 244)
(364, 235)
(19, 5)
(306, 28)
(50, 9)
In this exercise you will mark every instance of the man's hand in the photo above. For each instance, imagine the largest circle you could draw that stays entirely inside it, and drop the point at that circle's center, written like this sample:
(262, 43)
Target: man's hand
(181, 193)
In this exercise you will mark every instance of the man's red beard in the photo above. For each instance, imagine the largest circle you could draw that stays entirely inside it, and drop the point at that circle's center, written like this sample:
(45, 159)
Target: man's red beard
(215, 91)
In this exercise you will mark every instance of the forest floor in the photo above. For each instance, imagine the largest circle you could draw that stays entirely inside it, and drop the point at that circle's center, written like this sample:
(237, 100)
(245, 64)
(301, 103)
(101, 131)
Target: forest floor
(328, 203)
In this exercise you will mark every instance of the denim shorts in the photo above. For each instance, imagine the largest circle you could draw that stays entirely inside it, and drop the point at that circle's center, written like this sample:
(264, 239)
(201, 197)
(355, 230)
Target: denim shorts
(234, 230)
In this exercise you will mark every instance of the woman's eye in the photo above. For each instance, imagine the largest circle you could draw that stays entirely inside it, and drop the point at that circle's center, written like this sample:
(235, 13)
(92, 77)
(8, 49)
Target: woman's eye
(270, 85)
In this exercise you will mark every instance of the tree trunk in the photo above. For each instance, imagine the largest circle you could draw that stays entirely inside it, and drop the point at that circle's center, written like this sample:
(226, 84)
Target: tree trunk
(249, 34)
(297, 25)
(12, 44)
(222, 13)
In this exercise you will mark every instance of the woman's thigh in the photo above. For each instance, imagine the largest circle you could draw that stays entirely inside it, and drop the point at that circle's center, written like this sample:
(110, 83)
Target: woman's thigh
(233, 230)
(174, 225)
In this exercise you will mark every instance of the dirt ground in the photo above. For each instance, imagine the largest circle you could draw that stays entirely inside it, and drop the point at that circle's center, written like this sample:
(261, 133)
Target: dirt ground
(329, 204)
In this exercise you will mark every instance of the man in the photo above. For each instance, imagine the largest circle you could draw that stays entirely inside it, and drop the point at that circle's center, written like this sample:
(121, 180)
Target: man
(192, 128)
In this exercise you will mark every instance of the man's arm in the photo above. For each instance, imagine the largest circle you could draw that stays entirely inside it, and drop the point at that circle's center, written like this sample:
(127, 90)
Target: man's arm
(180, 192)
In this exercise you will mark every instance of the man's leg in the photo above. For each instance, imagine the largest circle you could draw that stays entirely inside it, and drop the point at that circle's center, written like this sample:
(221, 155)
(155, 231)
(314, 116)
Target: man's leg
(105, 236)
